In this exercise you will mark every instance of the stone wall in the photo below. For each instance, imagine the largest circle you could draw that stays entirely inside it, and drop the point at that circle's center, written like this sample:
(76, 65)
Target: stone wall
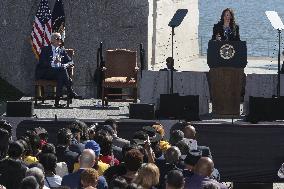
(118, 24)
(185, 35)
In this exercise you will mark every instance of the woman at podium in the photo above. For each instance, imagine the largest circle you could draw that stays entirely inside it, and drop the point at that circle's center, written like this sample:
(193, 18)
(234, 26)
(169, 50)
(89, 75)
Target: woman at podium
(226, 29)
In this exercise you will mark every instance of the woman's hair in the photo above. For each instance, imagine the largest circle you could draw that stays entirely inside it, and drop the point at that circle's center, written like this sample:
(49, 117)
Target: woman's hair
(48, 148)
(159, 129)
(34, 141)
(232, 21)
(48, 160)
(104, 139)
(118, 183)
(133, 160)
(148, 176)
(209, 185)
(64, 136)
(89, 177)
(183, 147)
(16, 150)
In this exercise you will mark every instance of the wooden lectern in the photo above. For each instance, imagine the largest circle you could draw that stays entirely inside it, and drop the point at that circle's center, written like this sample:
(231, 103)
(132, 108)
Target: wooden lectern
(227, 60)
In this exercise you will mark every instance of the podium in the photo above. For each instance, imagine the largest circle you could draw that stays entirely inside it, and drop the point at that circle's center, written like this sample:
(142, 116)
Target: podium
(226, 60)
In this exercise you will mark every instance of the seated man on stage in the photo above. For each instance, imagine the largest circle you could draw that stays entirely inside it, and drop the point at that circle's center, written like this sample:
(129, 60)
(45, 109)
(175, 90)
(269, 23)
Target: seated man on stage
(53, 65)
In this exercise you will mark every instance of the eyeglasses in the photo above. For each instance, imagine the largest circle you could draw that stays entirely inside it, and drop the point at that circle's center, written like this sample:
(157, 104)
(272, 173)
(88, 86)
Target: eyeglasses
(58, 39)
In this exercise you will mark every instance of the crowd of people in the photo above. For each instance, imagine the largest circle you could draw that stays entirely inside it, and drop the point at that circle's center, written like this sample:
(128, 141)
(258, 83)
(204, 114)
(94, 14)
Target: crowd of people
(95, 156)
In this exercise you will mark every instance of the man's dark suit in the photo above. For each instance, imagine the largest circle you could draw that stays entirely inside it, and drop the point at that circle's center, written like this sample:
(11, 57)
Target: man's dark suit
(73, 181)
(44, 70)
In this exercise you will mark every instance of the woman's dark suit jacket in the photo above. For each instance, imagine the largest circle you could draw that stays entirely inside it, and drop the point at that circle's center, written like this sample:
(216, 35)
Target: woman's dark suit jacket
(233, 36)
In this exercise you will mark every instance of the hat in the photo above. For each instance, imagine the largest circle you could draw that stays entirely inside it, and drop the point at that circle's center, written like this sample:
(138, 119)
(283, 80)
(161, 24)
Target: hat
(91, 144)
(153, 135)
(193, 157)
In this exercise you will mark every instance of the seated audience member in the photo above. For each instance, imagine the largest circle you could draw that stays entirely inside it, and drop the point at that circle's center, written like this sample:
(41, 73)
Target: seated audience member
(99, 165)
(29, 182)
(108, 129)
(89, 178)
(11, 173)
(134, 186)
(133, 161)
(86, 160)
(43, 135)
(104, 139)
(53, 64)
(118, 183)
(38, 174)
(169, 64)
(174, 180)
(4, 142)
(202, 172)
(176, 136)
(210, 185)
(16, 151)
(116, 140)
(164, 145)
(63, 153)
(77, 128)
(171, 162)
(4, 124)
(148, 176)
(33, 147)
(61, 168)
(49, 160)
(190, 161)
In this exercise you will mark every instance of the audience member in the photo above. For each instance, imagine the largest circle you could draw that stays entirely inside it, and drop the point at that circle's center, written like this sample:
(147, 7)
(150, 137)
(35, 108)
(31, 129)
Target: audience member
(11, 173)
(39, 175)
(104, 139)
(29, 182)
(99, 165)
(175, 137)
(148, 176)
(202, 172)
(63, 153)
(49, 160)
(133, 161)
(174, 180)
(61, 168)
(171, 162)
(4, 142)
(86, 160)
(118, 183)
(89, 178)
(209, 185)
(117, 141)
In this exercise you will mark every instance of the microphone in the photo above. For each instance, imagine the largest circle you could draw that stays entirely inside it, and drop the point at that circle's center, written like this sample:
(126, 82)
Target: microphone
(227, 31)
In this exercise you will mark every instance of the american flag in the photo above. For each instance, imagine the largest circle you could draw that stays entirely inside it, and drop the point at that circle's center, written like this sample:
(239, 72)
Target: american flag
(41, 34)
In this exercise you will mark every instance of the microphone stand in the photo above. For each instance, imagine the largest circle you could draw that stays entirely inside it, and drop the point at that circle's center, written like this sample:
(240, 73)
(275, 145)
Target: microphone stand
(172, 67)
(278, 75)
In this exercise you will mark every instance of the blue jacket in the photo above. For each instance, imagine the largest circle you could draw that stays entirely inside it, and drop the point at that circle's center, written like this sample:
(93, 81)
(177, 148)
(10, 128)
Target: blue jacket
(73, 181)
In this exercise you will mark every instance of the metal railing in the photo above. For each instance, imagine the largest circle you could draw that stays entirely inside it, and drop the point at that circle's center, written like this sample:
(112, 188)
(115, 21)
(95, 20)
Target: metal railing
(257, 47)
